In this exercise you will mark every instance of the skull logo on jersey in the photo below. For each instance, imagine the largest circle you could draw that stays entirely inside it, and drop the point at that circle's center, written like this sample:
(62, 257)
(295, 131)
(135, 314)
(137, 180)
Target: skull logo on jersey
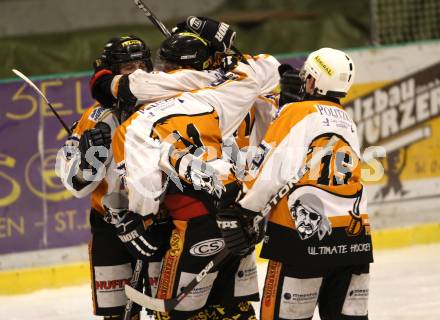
(308, 214)
(206, 181)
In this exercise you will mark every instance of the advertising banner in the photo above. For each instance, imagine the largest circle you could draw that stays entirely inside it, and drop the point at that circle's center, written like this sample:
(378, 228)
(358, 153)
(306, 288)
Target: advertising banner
(36, 212)
(403, 117)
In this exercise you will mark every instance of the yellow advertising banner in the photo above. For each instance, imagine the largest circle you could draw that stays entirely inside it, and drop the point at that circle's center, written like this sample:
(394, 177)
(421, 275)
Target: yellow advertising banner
(403, 118)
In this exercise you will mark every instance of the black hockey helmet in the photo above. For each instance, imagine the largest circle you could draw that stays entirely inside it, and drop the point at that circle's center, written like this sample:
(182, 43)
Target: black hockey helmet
(187, 49)
(126, 49)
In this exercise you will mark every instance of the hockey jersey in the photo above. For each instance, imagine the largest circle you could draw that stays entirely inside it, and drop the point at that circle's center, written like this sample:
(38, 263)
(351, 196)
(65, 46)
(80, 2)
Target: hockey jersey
(147, 87)
(106, 181)
(323, 221)
(251, 131)
(153, 86)
(195, 123)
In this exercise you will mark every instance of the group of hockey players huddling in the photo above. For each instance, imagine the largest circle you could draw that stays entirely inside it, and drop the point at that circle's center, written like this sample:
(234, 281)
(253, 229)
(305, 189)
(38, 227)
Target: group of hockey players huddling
(217, 151)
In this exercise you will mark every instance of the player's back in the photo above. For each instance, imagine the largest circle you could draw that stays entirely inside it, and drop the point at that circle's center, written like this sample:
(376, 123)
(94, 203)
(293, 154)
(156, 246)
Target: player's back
(327, 206)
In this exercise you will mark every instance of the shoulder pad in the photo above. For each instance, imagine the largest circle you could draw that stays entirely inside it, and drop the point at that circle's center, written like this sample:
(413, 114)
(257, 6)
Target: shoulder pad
(99, 114)
(96, 114)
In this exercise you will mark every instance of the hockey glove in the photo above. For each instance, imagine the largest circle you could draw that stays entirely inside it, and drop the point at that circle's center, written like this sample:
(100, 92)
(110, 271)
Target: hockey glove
(100, 84)
(217, 33)
(291, 85)
(99, 136)
(229, 196)
(127, 102)
(142, 243)
(161, 230)
(241, 229)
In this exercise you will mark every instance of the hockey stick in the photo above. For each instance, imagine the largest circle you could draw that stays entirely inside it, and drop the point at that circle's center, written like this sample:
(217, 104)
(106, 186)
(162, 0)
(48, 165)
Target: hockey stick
(166, 305)
(150, 15)
(133, 283)
(141, 5)
(33, 86)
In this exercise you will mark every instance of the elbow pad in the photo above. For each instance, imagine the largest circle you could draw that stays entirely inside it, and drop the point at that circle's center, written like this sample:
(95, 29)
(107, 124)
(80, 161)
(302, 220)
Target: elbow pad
(126, 100)
(100, 87)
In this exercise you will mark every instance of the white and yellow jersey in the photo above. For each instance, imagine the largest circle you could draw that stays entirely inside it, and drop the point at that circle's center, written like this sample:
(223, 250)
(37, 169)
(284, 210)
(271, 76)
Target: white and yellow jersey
(251, 131)
(202, 118)
(266, 107)
(153, 86)
(325, 214)
(158, 85)
(254, 126)
(106, 181)
(147, 87)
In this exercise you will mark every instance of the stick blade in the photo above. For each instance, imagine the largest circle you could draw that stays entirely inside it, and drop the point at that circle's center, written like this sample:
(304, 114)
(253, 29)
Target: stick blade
(29, 82)
(23, 77)
(20, 74)
(144, 300)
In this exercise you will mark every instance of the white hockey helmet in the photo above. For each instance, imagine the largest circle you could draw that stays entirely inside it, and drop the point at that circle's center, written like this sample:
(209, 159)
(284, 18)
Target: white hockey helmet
(332, 69)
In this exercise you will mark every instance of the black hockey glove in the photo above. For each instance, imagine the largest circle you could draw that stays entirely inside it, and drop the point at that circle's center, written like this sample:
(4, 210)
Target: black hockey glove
(100, 84)
(161, 230)
(127, 102)
(99, 136)
(218, 34)
(291, 85)
(229, 196)
(241, 229)
(142, 242)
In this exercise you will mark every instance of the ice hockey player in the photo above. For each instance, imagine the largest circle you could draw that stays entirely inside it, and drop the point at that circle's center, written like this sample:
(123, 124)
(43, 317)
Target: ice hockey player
(83, 173)
(189, 63)
(172, 136)
(318, 235)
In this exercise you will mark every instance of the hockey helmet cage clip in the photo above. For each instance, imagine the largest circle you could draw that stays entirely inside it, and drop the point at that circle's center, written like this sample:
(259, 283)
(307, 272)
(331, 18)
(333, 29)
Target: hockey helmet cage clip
(333, 71)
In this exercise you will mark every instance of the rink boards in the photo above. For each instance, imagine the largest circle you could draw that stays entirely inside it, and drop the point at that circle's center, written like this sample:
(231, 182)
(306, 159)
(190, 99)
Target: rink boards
(28, 280)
